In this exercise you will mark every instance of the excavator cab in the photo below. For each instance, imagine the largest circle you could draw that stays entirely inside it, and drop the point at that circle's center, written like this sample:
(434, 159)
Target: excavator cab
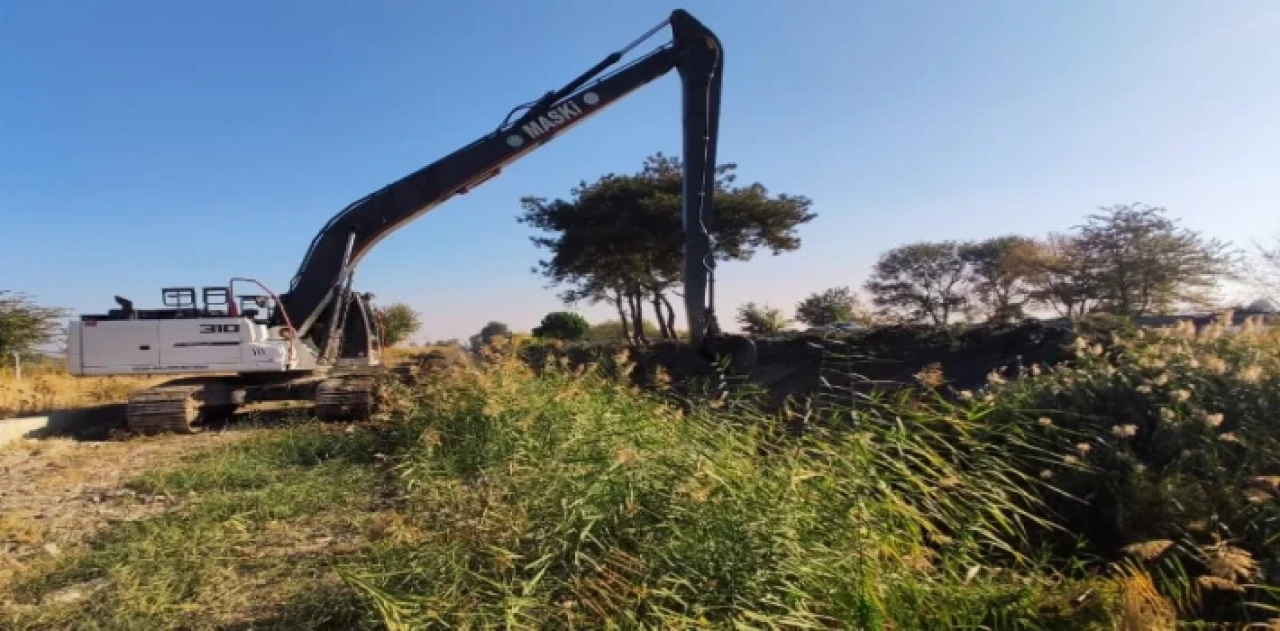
(256, 307)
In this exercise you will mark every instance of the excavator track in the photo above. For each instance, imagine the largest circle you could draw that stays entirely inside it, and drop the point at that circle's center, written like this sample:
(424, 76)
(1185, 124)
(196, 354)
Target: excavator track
(348, 397)
(164, 409)
(178, 405)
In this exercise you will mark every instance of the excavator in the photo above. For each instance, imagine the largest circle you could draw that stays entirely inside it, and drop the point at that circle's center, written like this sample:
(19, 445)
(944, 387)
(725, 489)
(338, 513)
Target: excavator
(320, 341)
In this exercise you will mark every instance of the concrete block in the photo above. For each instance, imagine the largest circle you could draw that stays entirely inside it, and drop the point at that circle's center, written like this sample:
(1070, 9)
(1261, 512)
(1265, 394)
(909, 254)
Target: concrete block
(94, 420)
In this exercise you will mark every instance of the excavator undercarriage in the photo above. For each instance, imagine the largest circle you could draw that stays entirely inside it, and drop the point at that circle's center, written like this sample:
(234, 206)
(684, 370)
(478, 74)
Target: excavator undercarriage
(181, 405)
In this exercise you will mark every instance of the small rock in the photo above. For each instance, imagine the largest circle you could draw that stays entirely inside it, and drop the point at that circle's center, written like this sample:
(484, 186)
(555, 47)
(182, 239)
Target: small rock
(52, 549)
(74, 593)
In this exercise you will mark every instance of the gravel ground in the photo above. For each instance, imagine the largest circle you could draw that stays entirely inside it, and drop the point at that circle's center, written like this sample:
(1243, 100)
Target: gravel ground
(55, 493)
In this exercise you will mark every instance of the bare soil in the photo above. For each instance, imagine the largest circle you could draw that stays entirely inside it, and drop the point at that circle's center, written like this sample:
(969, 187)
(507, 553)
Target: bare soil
(55, 493)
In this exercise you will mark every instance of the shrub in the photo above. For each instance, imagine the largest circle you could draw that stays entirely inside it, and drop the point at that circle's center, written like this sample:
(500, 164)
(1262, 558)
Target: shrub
(399, 321)
(563, 325)
(491, 333)
(1172, 443)
(761, 320)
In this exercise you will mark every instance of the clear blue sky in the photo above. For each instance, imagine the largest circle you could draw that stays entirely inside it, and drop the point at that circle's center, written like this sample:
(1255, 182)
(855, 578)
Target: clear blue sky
(147, 144)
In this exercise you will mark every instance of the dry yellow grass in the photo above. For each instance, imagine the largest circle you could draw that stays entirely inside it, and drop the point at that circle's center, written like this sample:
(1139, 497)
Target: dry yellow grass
(46, 387)
(1144, 607)
(396, 354)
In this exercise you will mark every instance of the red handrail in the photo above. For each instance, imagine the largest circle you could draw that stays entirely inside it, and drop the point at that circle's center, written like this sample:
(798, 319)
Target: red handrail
(293, 333)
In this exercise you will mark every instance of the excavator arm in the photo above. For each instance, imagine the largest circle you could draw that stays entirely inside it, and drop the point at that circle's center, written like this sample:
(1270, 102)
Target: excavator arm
(321, 288)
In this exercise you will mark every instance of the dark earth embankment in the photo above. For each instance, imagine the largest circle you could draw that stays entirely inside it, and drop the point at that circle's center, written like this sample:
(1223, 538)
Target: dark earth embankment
(800, 364)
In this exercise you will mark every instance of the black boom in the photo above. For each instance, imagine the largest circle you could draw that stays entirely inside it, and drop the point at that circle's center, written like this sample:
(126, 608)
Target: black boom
(322, 281)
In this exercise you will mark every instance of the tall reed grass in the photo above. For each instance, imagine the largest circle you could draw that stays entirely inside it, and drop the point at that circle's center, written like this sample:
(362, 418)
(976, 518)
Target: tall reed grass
(572, 500)
(1171, 455)
(45, 386)
(1133, 487)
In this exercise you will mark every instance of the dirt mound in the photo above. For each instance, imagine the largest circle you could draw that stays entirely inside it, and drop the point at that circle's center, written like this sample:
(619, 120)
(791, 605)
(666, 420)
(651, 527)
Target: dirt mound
(800, 364)
(430, 362)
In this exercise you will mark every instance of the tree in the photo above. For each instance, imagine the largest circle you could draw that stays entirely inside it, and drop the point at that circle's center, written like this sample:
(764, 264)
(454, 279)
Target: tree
(1260, 305)
(621, 238)
(563, 325)
(830, 306)
(1265, 268)
(761, 320)
(399, 321)
(999, 273)
(1062, 278)
(1144, 263)
(920, 282)
(490, 332)
(25, 325)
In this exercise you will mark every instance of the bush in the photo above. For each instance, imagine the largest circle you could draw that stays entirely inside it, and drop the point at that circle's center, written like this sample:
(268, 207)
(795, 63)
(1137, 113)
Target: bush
(761, 320)
(563, 325)
(489, 334)
(1172, 446)
(399, 321)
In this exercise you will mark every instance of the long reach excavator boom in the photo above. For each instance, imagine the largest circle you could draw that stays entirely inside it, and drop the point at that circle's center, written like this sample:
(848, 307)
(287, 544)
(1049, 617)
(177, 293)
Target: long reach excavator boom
(320, 340)
(694, 52)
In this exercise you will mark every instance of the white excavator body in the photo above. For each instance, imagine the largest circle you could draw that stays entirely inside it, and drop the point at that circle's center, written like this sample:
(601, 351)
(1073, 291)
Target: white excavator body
(186, 346)
(227, 352)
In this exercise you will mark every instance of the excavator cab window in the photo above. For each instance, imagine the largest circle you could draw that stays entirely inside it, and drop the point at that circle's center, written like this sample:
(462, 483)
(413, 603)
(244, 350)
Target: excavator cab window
(216, 301)
(256, 308)
(179, 297)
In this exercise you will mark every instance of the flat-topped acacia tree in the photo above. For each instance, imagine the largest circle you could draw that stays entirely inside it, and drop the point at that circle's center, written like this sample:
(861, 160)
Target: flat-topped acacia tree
(621, 238)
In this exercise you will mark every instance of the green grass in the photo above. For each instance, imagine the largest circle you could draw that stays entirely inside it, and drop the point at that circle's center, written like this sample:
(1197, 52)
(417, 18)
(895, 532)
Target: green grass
(259, 522)
(571, 501)
(497, 498)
